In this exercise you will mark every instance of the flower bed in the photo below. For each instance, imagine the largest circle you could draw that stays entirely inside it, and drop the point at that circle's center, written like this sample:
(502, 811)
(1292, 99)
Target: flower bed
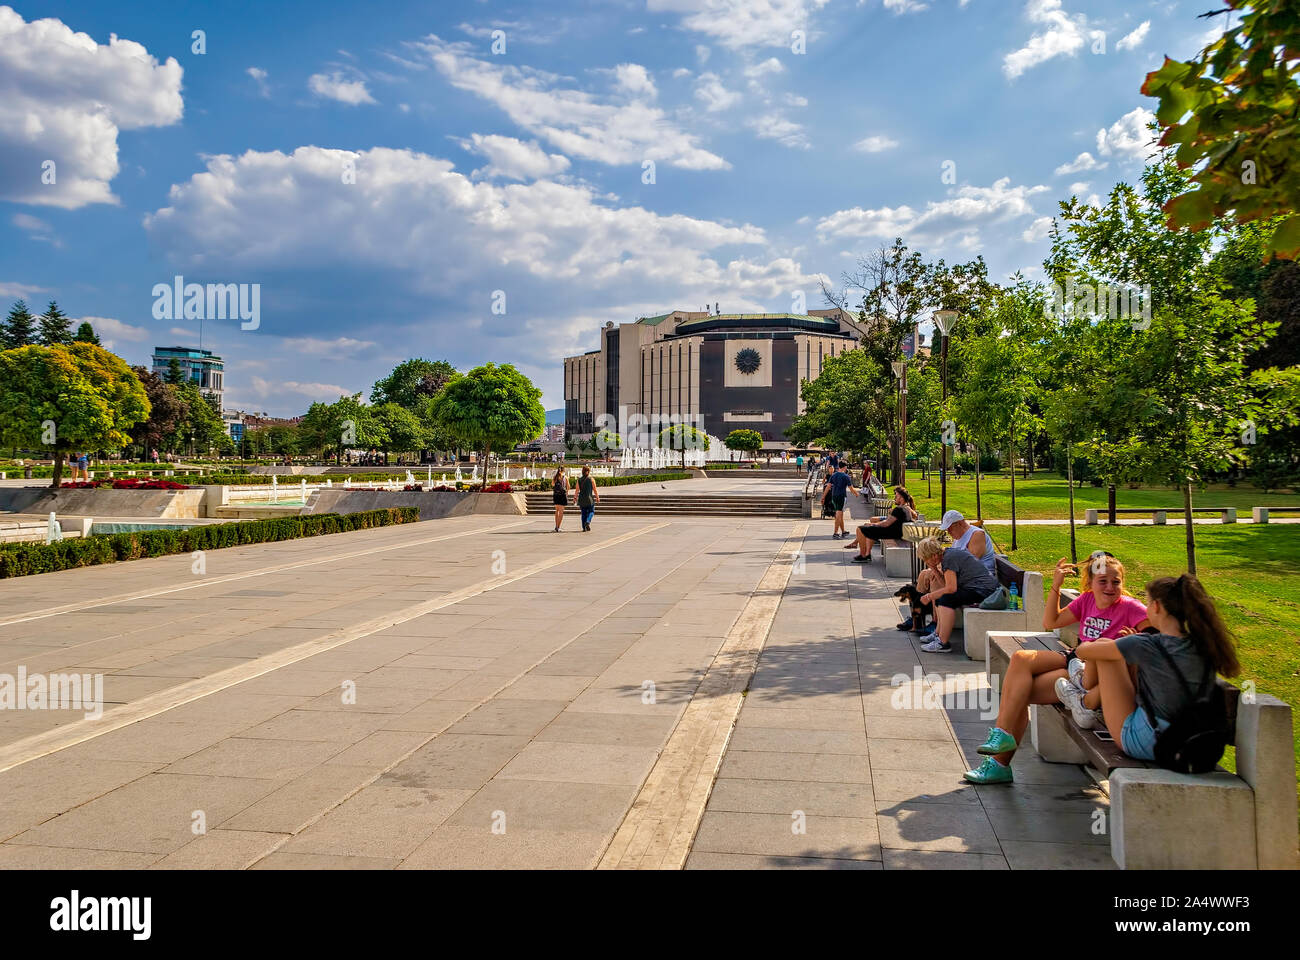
(125, 483)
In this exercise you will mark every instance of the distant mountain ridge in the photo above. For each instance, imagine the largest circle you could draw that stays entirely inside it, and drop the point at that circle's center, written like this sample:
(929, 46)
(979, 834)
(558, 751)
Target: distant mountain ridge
(554, 416)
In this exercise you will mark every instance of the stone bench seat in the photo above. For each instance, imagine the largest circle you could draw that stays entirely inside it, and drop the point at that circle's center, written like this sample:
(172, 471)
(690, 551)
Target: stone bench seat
(1160, 819)
(1159, 515)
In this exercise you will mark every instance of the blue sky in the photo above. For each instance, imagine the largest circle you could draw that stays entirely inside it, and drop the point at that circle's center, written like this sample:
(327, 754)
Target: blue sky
(382, 172)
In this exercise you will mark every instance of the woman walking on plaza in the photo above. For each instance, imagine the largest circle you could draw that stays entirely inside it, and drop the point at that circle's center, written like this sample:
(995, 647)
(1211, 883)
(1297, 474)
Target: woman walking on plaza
(587, 497)
(559, 495)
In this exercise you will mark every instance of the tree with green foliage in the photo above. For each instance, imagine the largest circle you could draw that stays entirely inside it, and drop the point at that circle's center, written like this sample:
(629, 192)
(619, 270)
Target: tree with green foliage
(746, 441)
(404, 431)
(1170, 398)
(68, 398)
(683, 437)
(994, 401)
(850, 406)
(412, 382)
(201, 427)
(19, 328)
(167, 409)
(56, 326)
(174, 373)
(1231, 114)
(86, 334)
(607, 440)
(490, 408)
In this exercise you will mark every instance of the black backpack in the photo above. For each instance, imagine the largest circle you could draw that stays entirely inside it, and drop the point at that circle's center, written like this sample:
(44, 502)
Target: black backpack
(1195, 739)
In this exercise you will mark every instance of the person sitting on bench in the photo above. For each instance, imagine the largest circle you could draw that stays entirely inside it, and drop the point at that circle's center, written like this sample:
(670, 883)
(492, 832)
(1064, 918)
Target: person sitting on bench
(885, 528)
(965, 582)
(1032, 675)
(1191, 645)
(974, 540)
(1104, 611)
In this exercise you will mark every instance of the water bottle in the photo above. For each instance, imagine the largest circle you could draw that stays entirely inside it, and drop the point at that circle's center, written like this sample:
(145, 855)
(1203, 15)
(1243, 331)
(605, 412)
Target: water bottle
(1014, 602)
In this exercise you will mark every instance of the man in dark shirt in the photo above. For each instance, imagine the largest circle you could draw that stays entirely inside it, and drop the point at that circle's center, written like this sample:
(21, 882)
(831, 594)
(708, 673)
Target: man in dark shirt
(838, 483)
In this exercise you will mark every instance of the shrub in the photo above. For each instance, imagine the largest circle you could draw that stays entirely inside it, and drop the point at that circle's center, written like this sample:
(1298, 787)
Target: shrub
(23, 559)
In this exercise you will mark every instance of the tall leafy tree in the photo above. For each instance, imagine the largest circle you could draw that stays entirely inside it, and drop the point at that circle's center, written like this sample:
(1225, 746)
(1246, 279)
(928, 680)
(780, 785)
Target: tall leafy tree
(490, 408)
(403, 430)
(201, 427)
(19, 328)
(68, 399)
(1172, 395)
(174, 374)
(86, 334)
(56, 326)
(411, 382)
(167, 409)
(1231, 114)
(850, 406)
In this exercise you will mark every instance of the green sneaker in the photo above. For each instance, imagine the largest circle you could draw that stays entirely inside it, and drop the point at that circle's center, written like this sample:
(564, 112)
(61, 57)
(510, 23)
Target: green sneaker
(990, 771)
(999, 741)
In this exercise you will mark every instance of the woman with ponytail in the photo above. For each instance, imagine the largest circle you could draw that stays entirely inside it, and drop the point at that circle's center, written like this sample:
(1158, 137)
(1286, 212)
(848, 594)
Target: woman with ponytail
(885, 528)
(1189, 646)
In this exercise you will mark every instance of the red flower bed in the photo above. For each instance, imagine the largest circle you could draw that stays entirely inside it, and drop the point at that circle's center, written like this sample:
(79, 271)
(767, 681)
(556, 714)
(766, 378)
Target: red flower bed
(501, 486)
(126, 483)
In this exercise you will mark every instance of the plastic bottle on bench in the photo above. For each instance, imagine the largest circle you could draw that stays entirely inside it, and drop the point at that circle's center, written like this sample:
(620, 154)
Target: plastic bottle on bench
(1013, 602)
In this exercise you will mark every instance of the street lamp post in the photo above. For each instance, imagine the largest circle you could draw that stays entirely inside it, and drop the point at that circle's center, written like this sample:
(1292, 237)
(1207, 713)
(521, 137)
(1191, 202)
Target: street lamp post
(944, 319)
(900, 371)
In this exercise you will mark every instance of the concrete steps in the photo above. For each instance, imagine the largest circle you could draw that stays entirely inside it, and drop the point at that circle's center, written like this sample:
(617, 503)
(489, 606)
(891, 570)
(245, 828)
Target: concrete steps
(775, 506)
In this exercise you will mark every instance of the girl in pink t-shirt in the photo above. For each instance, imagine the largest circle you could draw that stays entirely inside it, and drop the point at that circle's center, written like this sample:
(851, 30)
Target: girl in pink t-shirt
(1104, 611)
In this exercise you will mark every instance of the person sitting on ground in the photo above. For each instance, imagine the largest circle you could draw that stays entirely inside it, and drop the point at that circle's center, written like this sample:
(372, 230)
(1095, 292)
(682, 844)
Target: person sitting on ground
(1104, 611)
(1173, 664)
(966, 536)
(965, 582)
(837, 483)
(1034, 676)
(885, 528)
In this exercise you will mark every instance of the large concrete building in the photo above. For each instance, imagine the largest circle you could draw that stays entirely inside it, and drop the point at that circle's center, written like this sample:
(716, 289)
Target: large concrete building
(722, 372)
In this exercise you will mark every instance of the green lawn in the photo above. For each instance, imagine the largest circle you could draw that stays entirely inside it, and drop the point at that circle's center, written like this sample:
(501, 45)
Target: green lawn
(1251, 571)
(1047, 497)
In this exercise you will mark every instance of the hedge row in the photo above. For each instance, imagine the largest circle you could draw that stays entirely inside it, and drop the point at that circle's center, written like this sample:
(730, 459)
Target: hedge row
(23, 559)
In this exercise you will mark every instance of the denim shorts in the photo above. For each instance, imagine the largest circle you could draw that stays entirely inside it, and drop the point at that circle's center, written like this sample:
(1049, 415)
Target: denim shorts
(1137, 737)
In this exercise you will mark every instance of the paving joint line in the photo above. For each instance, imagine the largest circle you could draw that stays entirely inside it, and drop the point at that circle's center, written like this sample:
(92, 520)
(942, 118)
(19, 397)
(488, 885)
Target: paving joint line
(69, 735)
(670, 833)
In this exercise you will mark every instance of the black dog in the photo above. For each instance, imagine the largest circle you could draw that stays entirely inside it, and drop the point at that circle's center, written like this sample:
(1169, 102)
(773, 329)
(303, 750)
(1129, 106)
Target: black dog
(920, 610)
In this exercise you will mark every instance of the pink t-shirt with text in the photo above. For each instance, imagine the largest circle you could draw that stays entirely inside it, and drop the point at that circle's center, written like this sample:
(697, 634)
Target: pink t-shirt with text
(1105, 624)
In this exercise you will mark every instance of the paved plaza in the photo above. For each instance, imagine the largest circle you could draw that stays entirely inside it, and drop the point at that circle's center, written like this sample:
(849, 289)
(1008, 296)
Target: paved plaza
(482, 692)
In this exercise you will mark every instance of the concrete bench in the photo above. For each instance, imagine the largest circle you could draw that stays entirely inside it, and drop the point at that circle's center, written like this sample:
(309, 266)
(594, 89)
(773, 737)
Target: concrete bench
(1160, 819)
(1160, 516)
(976, 624)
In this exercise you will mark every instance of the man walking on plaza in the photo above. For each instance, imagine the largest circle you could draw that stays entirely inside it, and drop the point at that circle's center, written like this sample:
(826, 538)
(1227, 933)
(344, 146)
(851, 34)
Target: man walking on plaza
(839, 483)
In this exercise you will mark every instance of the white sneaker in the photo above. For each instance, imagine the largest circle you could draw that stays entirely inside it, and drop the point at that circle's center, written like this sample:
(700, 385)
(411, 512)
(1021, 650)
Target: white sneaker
(1069, 695)
(937, 646)
(1076, 669)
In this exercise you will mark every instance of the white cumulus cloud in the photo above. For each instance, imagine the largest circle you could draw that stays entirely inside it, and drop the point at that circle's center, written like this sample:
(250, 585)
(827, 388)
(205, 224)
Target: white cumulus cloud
(1061, 35)
(336, 86)
(63, 100)
(1128, 136)
(1134, 40)
(514, 159)
(1083, 162)
(875, 144)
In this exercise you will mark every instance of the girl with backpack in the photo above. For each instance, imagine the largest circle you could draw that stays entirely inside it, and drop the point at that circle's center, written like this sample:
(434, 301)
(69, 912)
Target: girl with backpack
(559, 495)
(1176, 669)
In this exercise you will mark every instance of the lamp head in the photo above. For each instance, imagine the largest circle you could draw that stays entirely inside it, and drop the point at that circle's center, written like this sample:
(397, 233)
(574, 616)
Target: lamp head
(944, 319)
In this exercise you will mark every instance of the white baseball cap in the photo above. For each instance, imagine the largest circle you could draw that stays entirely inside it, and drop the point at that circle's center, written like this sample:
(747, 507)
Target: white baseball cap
(949, 518)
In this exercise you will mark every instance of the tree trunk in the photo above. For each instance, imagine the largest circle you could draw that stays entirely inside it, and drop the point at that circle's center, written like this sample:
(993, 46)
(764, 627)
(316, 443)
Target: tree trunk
(1012, 445)
(979, 509)
(1187, 523)
(58, 470)
(1069, 475)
